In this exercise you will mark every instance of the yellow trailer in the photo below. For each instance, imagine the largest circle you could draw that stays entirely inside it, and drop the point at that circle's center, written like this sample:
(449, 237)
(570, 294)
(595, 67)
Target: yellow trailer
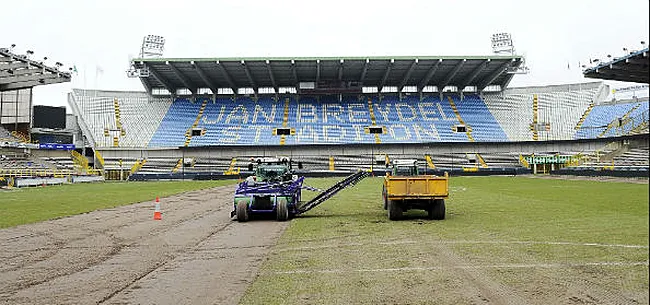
(405, 189)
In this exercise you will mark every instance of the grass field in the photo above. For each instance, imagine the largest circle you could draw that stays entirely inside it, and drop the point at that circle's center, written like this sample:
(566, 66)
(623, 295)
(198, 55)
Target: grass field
(29, 205)
(505, 240)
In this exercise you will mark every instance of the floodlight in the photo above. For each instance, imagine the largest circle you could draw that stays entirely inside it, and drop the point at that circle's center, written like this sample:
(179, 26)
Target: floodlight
(502, 43)
(152, 46)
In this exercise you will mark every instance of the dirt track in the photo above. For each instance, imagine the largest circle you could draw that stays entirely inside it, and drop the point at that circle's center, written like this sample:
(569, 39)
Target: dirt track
(195, 255)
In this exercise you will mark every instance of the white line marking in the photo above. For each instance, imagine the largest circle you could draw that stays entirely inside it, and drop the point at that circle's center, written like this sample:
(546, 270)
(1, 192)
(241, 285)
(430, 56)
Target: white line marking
(501, 266)
(407, 242)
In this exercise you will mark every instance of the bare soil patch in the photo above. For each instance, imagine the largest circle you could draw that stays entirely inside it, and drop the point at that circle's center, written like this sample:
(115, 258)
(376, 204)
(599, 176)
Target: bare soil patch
(195, 255)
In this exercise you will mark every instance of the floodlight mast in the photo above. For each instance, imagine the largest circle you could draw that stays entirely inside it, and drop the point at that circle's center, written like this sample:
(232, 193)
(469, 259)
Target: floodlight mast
(502, 45)
(152, 47)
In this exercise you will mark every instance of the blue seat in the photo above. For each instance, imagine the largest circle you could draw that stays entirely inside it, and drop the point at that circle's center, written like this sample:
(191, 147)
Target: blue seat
(326, 120)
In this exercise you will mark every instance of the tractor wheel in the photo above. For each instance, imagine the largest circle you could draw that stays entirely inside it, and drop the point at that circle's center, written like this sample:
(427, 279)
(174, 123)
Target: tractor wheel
(437, 210)
(394, 210)
(242, 211)
(282, 210)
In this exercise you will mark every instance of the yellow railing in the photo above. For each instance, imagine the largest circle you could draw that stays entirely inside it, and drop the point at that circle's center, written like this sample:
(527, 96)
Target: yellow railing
(231, 169)
(584, 116)
(373, 120)
(179, 163)
(21, 136)
(481, 161)
(137, 166)
(59, 173)
(523, 161)
(188, 133)
(430, 162)
(331, 163)
(285, 120)
(99, 157)
(468, 129)
(533, 126)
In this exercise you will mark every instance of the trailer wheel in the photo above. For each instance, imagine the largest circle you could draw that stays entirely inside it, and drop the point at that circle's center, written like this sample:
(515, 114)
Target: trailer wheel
(394, 210)
(282, 209)
(242, 211)
(437, 210)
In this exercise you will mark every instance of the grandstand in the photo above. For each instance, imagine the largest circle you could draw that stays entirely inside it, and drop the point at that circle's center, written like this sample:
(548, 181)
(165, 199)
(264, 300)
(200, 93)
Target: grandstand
(632, 67)
(18, 75)
(163, 122)
(23, 161)
(212, 115)
(614, 119)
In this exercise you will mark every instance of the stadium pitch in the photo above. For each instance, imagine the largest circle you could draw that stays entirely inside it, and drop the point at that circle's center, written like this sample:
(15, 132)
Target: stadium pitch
(29, 205)
(506, 240)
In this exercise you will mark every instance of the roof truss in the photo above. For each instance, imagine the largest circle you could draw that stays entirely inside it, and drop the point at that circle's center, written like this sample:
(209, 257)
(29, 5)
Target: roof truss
(344, 72)
(19, 72)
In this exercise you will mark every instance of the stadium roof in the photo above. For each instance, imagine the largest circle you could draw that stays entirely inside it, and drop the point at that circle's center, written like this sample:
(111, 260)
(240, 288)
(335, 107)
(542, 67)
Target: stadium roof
(630, 68)
(19, 72)
(274, 72)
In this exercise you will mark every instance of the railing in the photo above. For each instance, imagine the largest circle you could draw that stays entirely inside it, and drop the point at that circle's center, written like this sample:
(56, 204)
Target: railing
(430, 162)
(99, 157)
(57, 173)
(481, 161)
(21, 136)
(231, 169)
(188, 133)
(584, 116)
(523, 161)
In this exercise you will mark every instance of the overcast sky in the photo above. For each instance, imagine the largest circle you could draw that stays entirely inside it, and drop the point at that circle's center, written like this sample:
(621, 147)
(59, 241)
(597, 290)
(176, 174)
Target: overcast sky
(553, 35)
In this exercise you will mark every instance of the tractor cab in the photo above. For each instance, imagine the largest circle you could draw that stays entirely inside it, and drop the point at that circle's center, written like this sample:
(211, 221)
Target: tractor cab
(270, 170)
(404, 168)
(273, 173)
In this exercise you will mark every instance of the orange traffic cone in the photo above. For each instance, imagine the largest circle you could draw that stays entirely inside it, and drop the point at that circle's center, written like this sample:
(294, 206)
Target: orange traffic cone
(157, 215)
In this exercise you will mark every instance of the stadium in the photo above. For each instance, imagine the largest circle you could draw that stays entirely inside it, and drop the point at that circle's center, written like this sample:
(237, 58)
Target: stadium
(543, 228)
